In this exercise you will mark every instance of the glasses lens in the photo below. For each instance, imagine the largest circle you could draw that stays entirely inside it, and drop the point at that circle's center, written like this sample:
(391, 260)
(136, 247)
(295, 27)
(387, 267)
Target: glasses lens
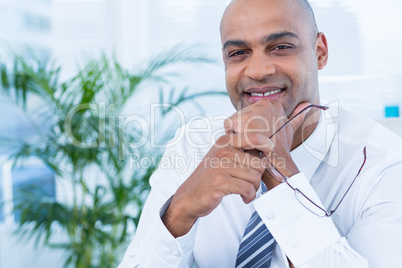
(308, 204)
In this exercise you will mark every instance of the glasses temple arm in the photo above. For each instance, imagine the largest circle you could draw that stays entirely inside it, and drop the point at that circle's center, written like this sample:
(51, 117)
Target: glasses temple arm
(364, 162)
(302, 111)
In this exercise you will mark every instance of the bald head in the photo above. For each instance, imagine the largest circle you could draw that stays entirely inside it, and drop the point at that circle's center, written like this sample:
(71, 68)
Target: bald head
(309, 13)
(304, 9)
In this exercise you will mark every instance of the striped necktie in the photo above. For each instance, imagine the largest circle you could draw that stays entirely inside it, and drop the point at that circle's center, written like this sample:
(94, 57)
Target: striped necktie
(257, 244)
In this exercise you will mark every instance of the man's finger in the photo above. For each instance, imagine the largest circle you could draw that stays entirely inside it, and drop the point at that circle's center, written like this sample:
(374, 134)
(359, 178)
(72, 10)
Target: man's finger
(230, 124)
(250, 141)
(248, 160)
(243, 188)
(299, 119)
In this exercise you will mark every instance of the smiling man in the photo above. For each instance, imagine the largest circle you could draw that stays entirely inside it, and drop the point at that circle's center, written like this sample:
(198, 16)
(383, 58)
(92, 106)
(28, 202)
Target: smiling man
(283, 186)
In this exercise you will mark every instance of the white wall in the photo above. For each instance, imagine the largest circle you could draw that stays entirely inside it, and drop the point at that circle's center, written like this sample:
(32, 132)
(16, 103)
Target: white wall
(26, 23)
(20, 253)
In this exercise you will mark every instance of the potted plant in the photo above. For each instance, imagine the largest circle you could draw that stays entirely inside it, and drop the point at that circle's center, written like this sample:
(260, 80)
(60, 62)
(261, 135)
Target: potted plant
(80, 131)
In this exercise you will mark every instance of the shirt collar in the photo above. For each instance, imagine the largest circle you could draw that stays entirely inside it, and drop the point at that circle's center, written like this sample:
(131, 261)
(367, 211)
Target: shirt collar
(312, 151)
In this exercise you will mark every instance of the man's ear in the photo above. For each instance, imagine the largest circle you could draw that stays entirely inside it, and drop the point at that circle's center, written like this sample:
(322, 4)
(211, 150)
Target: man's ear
(321, 48)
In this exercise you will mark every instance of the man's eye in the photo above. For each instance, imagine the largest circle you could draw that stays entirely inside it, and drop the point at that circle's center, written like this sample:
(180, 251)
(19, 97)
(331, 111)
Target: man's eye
(237, 53)
(282, 47)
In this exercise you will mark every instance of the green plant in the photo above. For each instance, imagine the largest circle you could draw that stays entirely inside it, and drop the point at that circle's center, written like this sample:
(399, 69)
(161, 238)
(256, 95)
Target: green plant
(78, 133)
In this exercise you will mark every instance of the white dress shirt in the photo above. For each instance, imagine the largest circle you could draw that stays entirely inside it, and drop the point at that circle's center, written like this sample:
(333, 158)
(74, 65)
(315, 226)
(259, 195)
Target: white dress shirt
(365, 231)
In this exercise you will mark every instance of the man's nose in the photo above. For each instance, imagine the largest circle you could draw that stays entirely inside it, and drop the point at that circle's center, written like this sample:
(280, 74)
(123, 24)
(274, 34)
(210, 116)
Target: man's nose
(259, 66)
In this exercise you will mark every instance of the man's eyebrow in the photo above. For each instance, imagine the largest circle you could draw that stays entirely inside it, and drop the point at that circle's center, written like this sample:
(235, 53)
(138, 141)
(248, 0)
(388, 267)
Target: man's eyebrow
(264, 40)
(276, 36)
(236, 43)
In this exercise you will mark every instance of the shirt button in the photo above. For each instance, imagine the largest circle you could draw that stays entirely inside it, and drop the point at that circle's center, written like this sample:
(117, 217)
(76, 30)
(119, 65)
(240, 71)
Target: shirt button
(176, 253)
(271, 215)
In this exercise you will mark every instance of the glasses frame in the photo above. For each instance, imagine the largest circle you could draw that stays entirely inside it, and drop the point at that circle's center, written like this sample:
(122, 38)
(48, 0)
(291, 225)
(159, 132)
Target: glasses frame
(296, 190)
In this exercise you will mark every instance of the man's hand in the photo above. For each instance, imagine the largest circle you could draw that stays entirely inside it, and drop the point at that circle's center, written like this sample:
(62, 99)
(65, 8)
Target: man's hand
(233, 166)
(225, 170)
(266, 117)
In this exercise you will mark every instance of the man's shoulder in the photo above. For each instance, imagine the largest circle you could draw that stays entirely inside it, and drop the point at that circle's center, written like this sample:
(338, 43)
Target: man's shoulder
(355, 128)
(384, 147)
(383, 151)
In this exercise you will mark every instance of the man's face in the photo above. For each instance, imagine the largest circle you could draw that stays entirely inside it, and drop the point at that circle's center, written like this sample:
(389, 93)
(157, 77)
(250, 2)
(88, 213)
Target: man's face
(270, 51)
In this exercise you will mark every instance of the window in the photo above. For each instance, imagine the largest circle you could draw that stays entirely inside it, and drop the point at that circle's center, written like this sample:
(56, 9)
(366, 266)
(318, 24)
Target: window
(27, 182)
(32, 178)
(1, 197)
(36, 23)
(33, 181)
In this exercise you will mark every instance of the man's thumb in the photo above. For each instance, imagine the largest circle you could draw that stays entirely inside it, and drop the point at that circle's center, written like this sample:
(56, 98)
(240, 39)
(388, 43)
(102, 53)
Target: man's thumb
(299, 113)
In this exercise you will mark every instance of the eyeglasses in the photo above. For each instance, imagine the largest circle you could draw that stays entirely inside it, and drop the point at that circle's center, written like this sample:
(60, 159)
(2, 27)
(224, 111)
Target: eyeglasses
(301, 197)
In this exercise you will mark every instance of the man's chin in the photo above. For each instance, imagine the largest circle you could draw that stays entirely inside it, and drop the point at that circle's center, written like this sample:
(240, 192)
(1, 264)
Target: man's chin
(239, 105)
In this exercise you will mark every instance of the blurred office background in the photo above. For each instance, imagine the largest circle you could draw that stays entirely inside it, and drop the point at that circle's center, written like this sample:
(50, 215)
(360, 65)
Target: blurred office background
(364, 72)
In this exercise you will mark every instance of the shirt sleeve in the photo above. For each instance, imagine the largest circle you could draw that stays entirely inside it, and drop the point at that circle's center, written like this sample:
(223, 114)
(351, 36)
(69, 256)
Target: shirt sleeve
(158, 248)
(153, 245)
(377, 232)
(307, 239)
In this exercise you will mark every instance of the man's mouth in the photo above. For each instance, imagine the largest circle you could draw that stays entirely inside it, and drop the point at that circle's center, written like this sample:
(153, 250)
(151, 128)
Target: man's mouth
(253, 94)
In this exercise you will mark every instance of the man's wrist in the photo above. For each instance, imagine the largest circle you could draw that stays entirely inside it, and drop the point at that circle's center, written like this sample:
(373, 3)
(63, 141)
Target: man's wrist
(275, 175)
(290, 170)
(175, 221)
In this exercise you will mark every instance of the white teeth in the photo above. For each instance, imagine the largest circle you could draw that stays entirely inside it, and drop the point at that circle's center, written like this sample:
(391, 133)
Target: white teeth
(266, 94)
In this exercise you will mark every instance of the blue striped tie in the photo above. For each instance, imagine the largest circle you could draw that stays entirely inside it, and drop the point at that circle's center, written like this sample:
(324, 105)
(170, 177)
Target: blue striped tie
(257, 244)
